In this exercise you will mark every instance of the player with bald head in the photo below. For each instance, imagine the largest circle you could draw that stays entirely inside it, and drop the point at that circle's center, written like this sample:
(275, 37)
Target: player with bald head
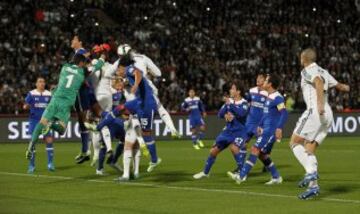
(312, 127)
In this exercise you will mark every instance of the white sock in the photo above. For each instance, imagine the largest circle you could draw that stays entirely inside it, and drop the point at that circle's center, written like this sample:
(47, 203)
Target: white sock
(107, 138)
(127, 161)
(165, 116)
(300, 153)
(313, 163)
(137, 155)
(96, 145)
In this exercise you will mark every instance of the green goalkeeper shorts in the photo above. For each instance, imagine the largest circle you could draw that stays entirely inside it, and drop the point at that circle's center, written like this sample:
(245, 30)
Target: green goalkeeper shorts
(58, 109)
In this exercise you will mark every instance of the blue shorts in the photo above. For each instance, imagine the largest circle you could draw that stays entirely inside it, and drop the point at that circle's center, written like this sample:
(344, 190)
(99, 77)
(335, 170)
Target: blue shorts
(251, 130)
(195, 122)
(85, 98)
(144, 111)
(225, 138)
(32, 125)
(117, 129)
(265, 143)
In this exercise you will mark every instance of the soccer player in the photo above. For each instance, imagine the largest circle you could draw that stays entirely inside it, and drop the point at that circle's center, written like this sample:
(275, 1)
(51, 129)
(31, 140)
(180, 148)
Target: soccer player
(234, 112)
(195, 107)
(82, 103)
(270, 130)
(36, 101)
(57, 113)
(144, 106)
(312, 127)
(256, 98)
(146, 65)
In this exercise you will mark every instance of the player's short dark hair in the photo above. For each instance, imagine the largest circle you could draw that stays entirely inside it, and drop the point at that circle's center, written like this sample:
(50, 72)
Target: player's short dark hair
(78, 58)
(40, 77)
(239, 87)
(261, 74)
(274, 80)
(126, 60)
(82, 37)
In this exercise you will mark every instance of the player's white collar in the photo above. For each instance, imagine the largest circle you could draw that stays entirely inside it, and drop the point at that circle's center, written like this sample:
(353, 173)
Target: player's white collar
(311, 65)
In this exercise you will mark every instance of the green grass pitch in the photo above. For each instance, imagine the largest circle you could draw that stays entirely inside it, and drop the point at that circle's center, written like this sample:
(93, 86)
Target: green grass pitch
(170, 188)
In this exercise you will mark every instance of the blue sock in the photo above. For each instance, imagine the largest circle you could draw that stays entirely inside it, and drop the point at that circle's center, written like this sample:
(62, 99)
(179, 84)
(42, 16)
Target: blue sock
(242, 156)
(239, 161)
(118, 151)
(102, 154)
(270, 166)
(150, 144)
(248, 165)
(194, 139)
(108, 118)
(50, 152)
(201, 135)
(209, 162)
(84, 141)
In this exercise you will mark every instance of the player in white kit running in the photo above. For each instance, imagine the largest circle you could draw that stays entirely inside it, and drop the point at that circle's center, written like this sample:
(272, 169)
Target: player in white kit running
(312, 127)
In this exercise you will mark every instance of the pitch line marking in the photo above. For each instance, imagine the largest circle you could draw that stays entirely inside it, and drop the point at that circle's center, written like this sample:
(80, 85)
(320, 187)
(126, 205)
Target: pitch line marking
(175, 187)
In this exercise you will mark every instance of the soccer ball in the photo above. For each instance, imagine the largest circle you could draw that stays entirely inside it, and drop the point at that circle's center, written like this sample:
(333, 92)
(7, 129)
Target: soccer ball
(123, 49)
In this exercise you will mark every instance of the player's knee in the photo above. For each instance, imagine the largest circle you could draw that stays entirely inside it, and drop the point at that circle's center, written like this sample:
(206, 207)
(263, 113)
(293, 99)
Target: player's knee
(214, 151)
(263, 156)
(48, 140)
(255, 150)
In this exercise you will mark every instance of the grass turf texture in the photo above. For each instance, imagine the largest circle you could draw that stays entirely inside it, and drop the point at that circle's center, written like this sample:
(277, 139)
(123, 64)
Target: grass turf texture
(170, 188)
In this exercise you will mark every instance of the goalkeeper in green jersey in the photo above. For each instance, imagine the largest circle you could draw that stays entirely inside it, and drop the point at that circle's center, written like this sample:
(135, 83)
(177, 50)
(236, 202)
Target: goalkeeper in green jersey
(57, 113)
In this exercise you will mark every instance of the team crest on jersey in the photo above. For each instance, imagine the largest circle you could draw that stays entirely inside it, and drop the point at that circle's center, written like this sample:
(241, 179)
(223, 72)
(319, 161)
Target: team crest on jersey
(262, 99)
(267, 102)
(46, 99)
(252, 97)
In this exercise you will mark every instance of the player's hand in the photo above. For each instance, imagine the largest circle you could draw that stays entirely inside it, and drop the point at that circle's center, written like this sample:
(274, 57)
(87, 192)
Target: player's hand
(278, 134)
(229, 117)
(204, 114)
(259, 131)
(321, 109)
(346, 88)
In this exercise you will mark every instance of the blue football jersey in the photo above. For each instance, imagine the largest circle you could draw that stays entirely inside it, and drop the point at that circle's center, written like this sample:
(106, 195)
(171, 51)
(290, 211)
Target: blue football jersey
(256, 98)
(273, 109)
(144, 91)
(194, 106)
(38, 102)
(118, 97)
(239, 109)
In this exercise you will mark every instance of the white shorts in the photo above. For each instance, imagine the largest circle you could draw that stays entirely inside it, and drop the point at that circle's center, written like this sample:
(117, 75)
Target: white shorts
(130, 136)
(313, 127)
(105, 101)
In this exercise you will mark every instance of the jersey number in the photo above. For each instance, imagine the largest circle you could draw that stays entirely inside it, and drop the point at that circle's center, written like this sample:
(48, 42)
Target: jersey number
(70, 79)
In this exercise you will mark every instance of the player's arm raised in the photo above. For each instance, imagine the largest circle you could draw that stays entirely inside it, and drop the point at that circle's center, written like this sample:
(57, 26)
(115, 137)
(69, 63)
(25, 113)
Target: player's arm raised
(138, 78)
(342, 87)
(319, 86)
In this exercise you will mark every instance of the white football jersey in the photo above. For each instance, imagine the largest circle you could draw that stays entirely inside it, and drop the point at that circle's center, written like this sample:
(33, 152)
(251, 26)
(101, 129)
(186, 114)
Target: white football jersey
(145, 64)
(308, 75)
(101, 79)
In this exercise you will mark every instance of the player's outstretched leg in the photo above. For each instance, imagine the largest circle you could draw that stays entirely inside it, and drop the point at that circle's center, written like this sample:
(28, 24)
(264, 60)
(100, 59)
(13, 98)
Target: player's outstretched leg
(208, 164)
(249, 164)
(35, 137)
(239, 156)
(165, 116)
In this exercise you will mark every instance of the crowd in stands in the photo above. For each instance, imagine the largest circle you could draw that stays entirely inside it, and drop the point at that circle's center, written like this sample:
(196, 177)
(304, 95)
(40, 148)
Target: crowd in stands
(198, 44)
